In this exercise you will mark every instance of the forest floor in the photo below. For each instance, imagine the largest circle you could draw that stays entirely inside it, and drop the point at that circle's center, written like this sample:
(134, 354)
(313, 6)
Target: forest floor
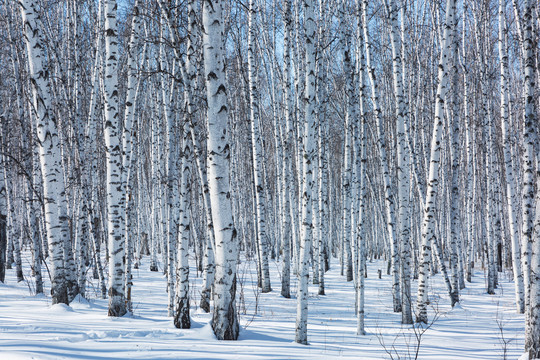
(482, 326)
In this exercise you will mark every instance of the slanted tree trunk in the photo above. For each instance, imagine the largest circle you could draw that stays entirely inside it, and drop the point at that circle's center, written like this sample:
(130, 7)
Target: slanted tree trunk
(382, 147)
(429, 220)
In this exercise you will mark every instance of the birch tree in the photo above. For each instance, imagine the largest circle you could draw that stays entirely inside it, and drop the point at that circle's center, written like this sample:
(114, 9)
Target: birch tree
(511, 196)
(452, 111)
(182, 317)
(530, 241)
(403, 160)
(532, 327)
(257, 149)
(3, 221)
(309, 125)
(128, 160)
(428, 222)
(288, 149)
(382, 147)
(49, 150)
(224, 319)
(350, 117)
(363, 193)
(112, 131)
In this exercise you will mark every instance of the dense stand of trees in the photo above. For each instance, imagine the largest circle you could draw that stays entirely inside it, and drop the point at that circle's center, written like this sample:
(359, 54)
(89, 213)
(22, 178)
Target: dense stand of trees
(302, 131)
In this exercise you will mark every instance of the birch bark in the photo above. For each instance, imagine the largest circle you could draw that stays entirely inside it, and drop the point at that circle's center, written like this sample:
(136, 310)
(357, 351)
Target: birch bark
(288, 149)
(403, 160)
(529, 139)
(182, 318)
(382, 147)
(350, 117)
(257, 149)
(429, 220)
(453, 120)
(115, 204)
(128, 158)
(49, 150)
(310, 119)
(224, 320)
(3, 220)
(363, 193)
(531, 245)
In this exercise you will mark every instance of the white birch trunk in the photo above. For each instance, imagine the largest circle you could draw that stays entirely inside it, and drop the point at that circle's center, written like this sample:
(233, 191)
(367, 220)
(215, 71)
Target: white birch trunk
(363, 194)
(49, 151)
(381, 143)
(453, 119)
(155, 236)
(322, 197)
(172, 212)
(511, 195)
(529, 139)
(307, 169)
(403, 160)
(257, 151)
(428, 222)
(531, 245)
(362, 233)
(350, 116)
(224, 320)
(3, 220)
(532, 328)
(209, 264)
(288, 149)
(128, 158)
(115, 206)
(469, 145)
(182, 318)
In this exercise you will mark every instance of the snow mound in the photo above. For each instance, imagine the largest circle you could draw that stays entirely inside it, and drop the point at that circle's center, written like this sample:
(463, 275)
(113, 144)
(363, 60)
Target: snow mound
(80, 303)
(60, 309)
(207, 333)
(81, 300)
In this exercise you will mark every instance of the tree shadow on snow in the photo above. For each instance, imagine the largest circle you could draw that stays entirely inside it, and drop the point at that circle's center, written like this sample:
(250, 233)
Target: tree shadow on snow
(254, 335)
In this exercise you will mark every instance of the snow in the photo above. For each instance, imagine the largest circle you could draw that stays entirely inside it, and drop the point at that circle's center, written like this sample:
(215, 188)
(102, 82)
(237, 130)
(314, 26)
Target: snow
(481, 327)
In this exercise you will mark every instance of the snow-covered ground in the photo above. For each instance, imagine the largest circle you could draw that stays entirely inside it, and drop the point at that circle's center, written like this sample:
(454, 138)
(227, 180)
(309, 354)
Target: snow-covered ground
(481, 327)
